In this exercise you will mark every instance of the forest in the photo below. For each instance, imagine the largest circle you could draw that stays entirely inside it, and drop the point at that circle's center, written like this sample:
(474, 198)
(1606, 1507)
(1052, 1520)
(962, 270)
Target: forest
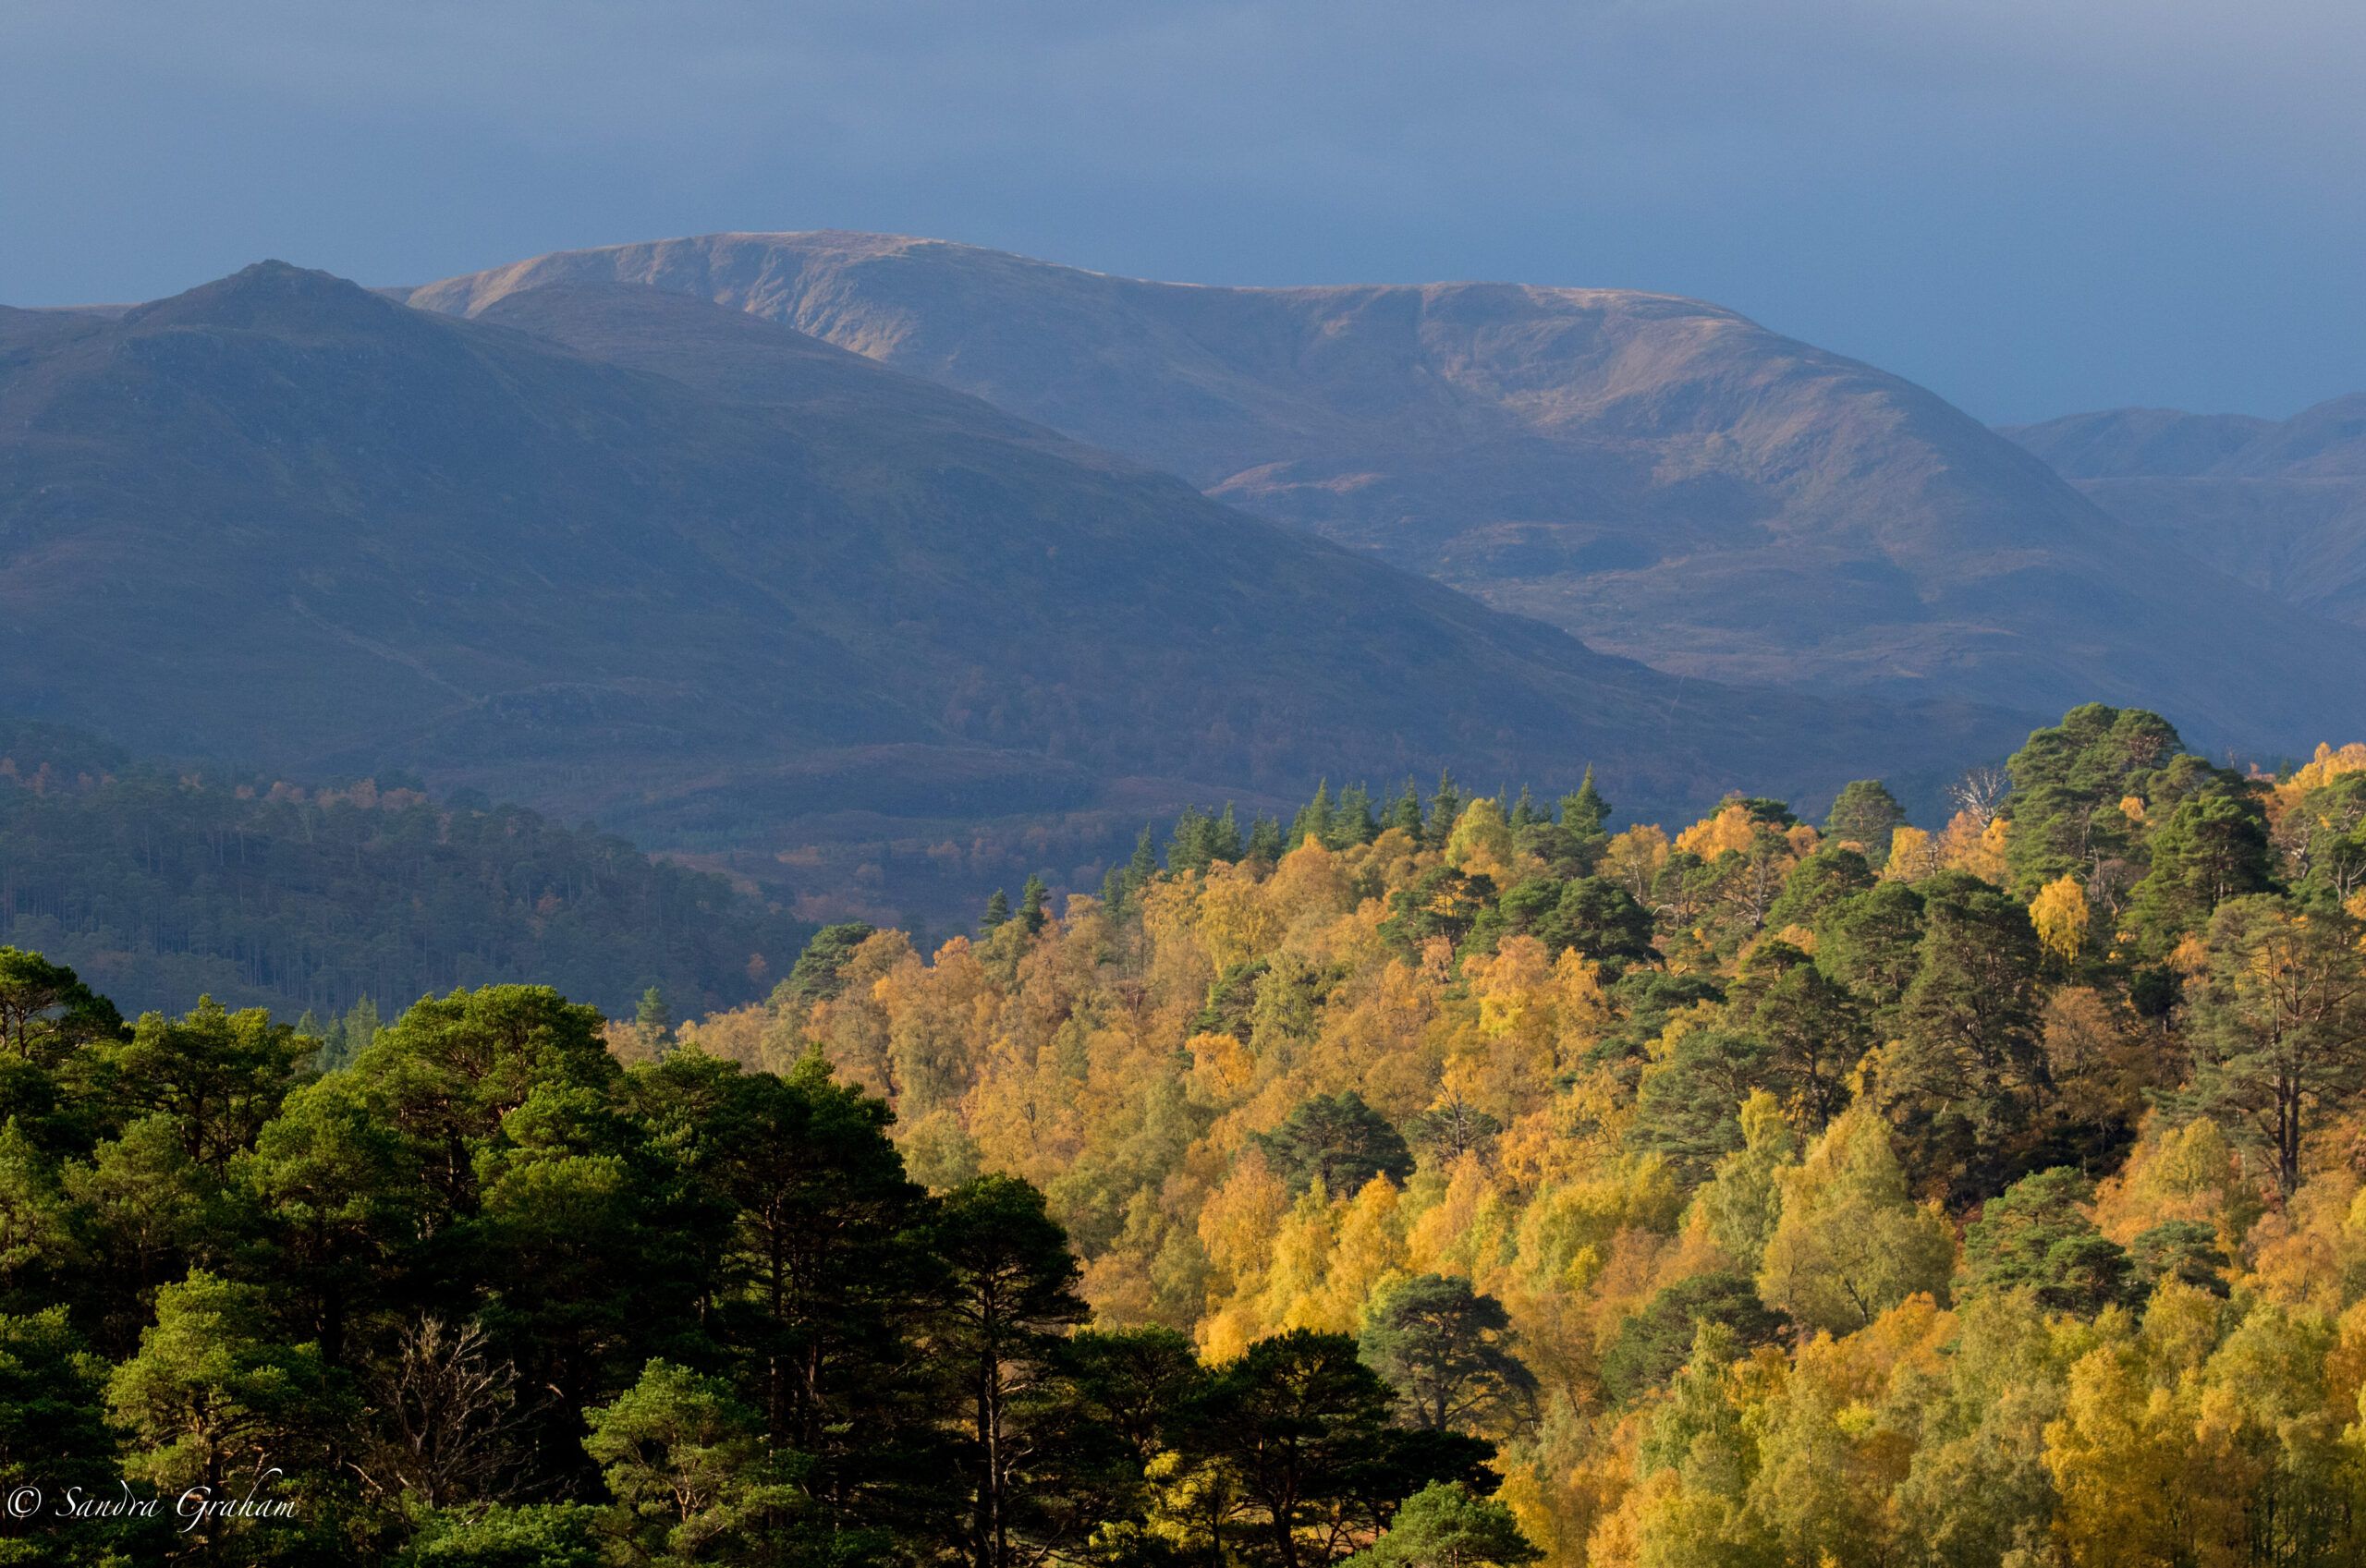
(161, 883)
(1427, 1181)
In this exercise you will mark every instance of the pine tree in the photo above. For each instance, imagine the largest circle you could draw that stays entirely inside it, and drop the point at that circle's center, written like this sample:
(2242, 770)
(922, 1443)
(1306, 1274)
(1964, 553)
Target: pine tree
(997, 914)
(1030, 904)
(1352, 821)
(1586, 811)
(1524, 811)
(1445, 809)
(1224, 838)
(1313, 818)
(654, 1022)
(1406, 810)
(1145, 864)
(1264, 840)
(1188, 849)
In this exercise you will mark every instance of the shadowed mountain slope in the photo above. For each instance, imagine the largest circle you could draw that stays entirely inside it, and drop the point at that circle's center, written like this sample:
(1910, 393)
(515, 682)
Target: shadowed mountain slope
(1661, 477)
(286, 520)
(2279, 504)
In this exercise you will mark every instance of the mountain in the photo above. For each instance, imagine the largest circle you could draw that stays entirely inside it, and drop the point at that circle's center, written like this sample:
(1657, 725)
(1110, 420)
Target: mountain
(2279, 504)
(283, 518)
(1660, 477)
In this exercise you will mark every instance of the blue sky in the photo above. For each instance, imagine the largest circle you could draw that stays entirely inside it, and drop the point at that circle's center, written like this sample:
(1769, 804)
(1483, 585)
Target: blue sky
(2030, 207)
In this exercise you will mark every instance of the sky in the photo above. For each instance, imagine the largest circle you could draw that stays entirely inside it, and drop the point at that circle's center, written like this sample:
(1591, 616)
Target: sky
(2032, 206)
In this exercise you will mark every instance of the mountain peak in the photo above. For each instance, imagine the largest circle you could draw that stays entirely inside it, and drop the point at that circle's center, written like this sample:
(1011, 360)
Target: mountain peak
(284, 296)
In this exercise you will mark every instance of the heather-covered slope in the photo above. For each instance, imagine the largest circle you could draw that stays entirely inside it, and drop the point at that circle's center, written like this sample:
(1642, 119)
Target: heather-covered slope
(1661, 477)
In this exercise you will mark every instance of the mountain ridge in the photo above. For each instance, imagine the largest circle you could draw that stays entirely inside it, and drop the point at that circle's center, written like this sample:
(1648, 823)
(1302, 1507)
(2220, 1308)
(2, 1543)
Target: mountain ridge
(1661, 477)
(350, 532)
(2280, 503)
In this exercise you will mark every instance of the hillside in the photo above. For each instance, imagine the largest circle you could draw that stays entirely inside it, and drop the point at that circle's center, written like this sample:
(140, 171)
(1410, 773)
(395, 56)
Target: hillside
(352, 535)
(2280, 505)
(1661, 477)
(1477, 1188)
(161, 884)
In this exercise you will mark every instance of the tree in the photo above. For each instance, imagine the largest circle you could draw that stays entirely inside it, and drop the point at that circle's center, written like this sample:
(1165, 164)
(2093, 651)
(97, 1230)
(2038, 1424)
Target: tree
(54, 1437)
(2037, 1236)
(1851, 1243)
(825, 1277)
(1445, 809)
(46, 1013)
(1447, 1351)
(1446, 1524)
(1011, 1292)
(551, 1535)
(2067, 786)
(1302, 1426)
(1812, 1028)
(2214, 847)
(1031, 899)
(1339, 1141)
(216, 1075)
(686, 1464)
(340, 1203)
(215, 1394)
(2279, 1023)
(997, 913)
(1688, 1106)
(816, 975)
(1654, 1342)
(1968, 1065)
(2059, 914)
(1865, 814)
(653, 1022)
(443, 1420)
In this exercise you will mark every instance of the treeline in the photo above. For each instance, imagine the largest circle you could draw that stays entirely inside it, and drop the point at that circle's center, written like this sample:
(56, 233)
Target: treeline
(486, 1297)
(1849, 1194)
(161, 886)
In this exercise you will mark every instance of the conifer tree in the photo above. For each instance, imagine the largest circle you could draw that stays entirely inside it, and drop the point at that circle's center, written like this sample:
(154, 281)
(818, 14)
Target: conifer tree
(1445, 809)
(1405, 811)
(997, 914)
(1143, 864)
(1313, 818)
(1224, 838)
(1031, 899)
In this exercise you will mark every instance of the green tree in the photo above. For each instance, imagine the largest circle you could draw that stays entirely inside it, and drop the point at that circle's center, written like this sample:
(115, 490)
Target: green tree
(823, 1277)
(997, 913)
(1865, 814)
(1338, 1140)
(216, 1396)
(2279, 1024)
(1010, 1297)
(818, 973)
(2068, 783)
(653, 1021)
(2214, 847)
(1654, 1343)
(1448, 1351)
(549, 1535)
(2037, 1236)
(1968, 1070)
(339, 1204)
(1446, 1524)
(687, 1467)
(1302, 1426)
(1031, 899)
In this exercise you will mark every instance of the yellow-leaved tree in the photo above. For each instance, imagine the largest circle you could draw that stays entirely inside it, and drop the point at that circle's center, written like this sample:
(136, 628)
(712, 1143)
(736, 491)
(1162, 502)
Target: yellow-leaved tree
(2059, 912)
